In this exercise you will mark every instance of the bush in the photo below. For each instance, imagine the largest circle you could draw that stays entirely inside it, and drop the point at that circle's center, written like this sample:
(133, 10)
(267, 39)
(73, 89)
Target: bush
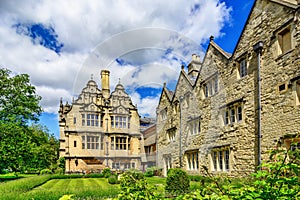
(113, 179)
(59, 171)
(134, 186)
(45, 171)
(93, 176)
(178, 182)
(149, 172)
(106, 172)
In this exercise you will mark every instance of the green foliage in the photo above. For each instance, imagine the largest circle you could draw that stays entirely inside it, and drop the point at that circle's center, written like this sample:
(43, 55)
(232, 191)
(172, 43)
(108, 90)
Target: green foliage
(45, 171)
(18, 101)
(61, 162)
(43, 149)
(178, 182)
(277, 179)
(59, 171)
(134, 186)
(112, 179)
(93, 176)
(23, 147)
(153, 171)
(149, 172)
(106, 172)
(198, 178)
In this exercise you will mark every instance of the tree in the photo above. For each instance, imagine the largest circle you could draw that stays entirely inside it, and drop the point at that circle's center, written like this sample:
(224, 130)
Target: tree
(44, 148)
(19, 105)
(18, 101)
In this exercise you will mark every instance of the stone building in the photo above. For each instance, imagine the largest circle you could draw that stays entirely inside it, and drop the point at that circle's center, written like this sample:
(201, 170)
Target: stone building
(227, 111)
(150, 137)
(100, 129)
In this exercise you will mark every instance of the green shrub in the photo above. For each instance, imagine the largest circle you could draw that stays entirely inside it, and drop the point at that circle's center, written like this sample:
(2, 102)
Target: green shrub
(134, 186)
(106, 172)
(45, 171)
(178, 182)
(59, 171)
(113, 179)
(278, 178)
(93, 176)
(149, 172)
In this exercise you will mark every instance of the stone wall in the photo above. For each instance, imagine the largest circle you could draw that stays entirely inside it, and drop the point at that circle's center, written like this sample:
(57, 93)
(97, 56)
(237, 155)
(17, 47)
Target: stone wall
(280, 113)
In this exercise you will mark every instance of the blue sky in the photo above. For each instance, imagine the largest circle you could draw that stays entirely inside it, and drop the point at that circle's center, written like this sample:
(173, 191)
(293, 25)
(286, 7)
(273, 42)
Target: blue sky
(142, 44)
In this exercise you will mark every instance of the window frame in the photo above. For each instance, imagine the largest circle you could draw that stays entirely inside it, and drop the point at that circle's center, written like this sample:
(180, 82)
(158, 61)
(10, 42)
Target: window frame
(194, 126)
(92, 142)
(243, 68)
(192, 160)
(211, 86)
(220, 159)
(286, 31)
(233, 114)
(171, 134)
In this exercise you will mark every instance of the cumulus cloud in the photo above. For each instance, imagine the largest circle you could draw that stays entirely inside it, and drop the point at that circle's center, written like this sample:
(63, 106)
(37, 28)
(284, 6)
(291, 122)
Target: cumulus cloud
(153, 38)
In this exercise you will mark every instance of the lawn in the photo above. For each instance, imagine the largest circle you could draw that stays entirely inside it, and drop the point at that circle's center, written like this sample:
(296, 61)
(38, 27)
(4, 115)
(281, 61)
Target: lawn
(51, 187)
(45, 187)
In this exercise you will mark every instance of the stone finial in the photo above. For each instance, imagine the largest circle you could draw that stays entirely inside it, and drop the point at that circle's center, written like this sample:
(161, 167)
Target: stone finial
(211, 38)
(165, 84)
(182, 67)
(194, 56)
(198, 58)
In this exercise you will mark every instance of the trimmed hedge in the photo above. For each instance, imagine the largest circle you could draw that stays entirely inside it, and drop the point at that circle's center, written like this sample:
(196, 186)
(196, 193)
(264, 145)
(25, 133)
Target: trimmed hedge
(177, 183)
(113, 179)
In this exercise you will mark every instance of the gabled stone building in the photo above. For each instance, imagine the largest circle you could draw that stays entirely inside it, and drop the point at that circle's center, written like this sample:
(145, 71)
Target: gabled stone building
(240, 105)
(100, 129)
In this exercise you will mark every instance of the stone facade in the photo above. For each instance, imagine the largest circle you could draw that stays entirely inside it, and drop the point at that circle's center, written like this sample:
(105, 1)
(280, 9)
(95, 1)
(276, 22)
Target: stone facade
(150, 138)
(220, 116)
(100, 129)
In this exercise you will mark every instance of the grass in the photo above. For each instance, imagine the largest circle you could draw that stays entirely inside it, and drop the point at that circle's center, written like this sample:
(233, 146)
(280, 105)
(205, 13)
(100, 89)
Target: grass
(55, 186)
(93, 188)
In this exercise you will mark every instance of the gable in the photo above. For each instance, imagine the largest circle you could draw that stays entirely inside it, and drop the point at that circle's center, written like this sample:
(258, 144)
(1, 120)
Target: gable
(183, 85)
(214, 59)
(265, 17)
(164, 99)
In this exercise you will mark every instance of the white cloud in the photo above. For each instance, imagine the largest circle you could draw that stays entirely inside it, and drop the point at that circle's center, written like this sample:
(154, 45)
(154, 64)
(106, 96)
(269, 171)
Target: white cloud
(95, 33)
(146, 106)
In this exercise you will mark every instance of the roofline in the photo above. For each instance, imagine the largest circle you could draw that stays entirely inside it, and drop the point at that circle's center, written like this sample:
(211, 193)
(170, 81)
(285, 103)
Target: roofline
(244, 27)
(182, 72)
(283, 3)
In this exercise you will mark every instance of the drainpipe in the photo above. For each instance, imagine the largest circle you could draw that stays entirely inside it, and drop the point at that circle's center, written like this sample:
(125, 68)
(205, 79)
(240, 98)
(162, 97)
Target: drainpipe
(180, 149)
(258, 49)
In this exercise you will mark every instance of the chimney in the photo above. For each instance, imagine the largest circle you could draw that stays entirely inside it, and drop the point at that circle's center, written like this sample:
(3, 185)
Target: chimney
(105, 83)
